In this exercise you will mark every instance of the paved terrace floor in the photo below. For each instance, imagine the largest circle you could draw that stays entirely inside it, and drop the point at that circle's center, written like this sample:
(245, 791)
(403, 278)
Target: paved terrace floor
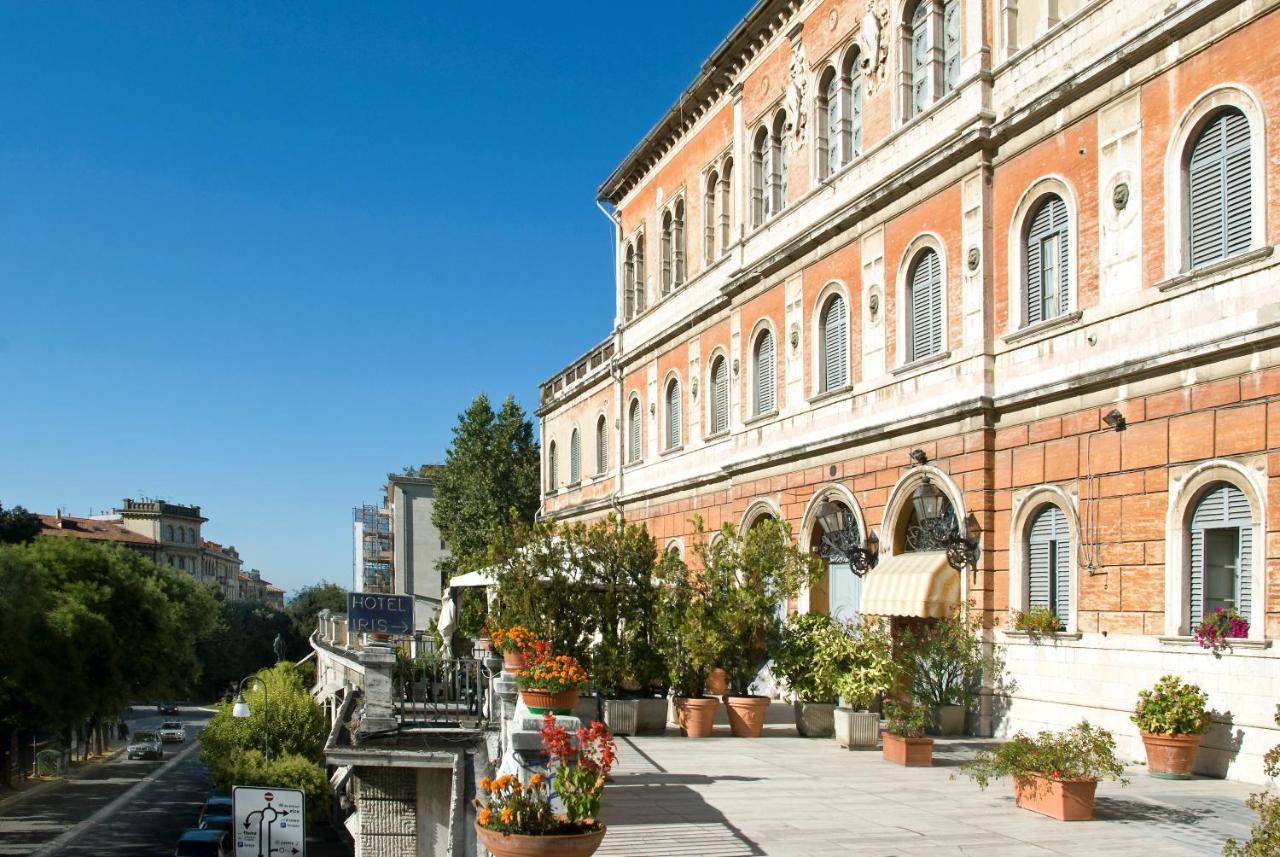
(786, 796)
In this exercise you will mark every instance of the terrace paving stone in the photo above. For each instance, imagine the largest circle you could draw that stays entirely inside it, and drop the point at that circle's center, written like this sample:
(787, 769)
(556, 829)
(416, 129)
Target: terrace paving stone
(786, 796)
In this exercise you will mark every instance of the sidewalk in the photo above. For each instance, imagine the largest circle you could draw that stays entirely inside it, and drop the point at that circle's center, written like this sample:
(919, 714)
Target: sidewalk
(787, 796)
(32, 786)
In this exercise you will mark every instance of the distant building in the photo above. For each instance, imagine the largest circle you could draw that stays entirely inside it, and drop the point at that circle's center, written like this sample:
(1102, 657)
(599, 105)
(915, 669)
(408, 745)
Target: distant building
(169, 534)
(397, 547)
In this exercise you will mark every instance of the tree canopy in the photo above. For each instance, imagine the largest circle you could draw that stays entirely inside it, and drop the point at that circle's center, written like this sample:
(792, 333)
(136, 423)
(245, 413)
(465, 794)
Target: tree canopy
(18, 526)
(307, 603)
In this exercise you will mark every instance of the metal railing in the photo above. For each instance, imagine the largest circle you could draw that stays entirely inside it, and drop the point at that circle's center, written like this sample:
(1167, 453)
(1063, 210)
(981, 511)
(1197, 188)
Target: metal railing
(442, 692)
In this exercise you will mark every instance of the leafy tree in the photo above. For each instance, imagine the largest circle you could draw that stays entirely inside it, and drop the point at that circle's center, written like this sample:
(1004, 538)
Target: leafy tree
(240, 643)
(489, 478)
(307, 603)
(18, 526)
(232, 747)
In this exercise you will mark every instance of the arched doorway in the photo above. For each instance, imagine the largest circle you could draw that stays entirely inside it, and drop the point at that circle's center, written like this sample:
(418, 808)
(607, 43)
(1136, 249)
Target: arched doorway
(835, 533)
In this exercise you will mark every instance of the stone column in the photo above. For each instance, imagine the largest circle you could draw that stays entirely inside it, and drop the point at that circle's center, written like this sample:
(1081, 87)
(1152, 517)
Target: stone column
(379, 689)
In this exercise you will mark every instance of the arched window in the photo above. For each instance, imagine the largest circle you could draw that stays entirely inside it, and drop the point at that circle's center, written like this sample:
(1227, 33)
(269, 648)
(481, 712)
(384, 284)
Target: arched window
(726, 206)
(1219, 189)
(602, 446)
(551, 466)
(575, 458)
(168, 532)
(760, 173)
(924, 306)
(850, 107)
(1221, 554)
(719, 396)
(763, 359)
(829, 124)
(182, 563)
(709, 223)
(778, 163)
(677, 232)
(932, 53)
(667, 251)
(629, 282)
(1047, 252)
(673, 414)
(633, 431)
(191, 535)
(1049, 562)
(833, 344)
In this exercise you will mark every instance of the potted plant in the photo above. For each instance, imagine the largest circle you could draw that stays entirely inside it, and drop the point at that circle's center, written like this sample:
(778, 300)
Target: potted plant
(515, 819)
(1172, 718)
(1216, 631)
(867, 672)
(1055, 773)
(903, 735)
(808, 661)
(552, 683)
(1037, 622)
(748, 576)
(946, 661)
(517, 646)
(686, 640)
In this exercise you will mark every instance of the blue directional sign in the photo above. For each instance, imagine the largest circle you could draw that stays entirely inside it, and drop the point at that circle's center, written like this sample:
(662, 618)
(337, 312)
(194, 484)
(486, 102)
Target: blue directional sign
(375, 613)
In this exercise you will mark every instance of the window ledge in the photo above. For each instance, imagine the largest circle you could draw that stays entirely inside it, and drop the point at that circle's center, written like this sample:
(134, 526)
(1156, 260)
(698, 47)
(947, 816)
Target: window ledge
(759, 418)
(604, 474)
(1206, 274)
(833, 393)
(906, 368)
(552, 492)
(633, 464)
(1035, 638)
(720, 435)
(570, 486)
(1187, 641)
(672, 450)
(1057, 324)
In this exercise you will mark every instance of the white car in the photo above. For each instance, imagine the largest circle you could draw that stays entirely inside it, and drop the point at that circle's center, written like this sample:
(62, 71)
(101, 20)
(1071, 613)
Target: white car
(173, 730)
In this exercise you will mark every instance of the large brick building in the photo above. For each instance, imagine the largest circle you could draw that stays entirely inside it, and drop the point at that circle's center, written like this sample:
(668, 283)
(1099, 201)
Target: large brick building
(1030, 242)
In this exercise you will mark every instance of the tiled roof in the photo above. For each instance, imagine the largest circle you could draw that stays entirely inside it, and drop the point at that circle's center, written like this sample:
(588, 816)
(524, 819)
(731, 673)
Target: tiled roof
(93, 530)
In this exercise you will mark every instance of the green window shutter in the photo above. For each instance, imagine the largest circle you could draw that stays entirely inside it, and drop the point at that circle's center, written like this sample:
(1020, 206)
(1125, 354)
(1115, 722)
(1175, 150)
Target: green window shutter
(602, 446)
(1219, 189)
(1047, 278)
(920, 58)
(950, 45)
(1223, 507)
(924, 328)
(1049, 562)
(551, 466)
(720, 397)
(855, 112)
(765, 382)
(834, 344)
(575, 461)
(673, 415)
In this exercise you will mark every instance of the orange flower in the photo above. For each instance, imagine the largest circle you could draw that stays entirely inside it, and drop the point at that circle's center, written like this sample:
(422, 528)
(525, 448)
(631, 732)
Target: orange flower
(485, 784)
(535, 781)
(485, 816)
(507, 815)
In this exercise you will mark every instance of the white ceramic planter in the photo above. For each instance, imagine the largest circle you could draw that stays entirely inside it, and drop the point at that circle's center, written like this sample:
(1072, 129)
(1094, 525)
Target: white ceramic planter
(857, 730)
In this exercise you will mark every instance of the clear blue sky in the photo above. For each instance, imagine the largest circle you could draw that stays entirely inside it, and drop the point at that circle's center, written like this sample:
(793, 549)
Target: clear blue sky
(256, 255)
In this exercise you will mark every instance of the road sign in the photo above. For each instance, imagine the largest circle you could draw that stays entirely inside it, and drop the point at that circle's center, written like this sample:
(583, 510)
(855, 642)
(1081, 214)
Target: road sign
(269, 822)
(374, 613)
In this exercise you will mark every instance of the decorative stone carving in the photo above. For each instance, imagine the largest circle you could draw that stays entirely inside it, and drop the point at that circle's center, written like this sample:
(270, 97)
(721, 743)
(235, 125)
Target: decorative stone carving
(1120, 196)
(975, 256)
(873, 43)
(796, 103)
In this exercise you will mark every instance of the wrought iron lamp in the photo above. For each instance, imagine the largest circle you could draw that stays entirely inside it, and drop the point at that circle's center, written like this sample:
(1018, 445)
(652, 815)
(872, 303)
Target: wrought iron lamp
(936, 528)
(841, 541)
(241, 709)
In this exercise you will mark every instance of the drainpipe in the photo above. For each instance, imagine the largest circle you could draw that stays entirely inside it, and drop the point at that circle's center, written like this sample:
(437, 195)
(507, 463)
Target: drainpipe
(615, 367)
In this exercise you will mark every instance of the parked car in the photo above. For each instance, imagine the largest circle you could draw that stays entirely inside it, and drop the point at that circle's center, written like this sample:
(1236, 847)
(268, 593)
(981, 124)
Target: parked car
(173, 730)
(217, 804)
(213, 821)
(167, 708)
(204, 843)
(145, 745)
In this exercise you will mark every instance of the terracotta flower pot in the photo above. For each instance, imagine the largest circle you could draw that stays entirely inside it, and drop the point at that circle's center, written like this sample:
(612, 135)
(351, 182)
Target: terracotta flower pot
(514, 662)
(518, 845)
(815, 719)
(1065, 800)
(747, 715)
(906, 751)
(541, 701)
(718, 682)
(1171, 757)
(697, 715)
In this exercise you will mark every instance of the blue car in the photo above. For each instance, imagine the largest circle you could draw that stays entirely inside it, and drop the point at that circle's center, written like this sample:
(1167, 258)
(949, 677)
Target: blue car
(217, 804)
(214, 821)
(204, 843)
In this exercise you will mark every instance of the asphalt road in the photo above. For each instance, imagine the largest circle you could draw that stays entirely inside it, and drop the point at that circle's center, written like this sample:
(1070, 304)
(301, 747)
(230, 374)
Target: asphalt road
(164, 798)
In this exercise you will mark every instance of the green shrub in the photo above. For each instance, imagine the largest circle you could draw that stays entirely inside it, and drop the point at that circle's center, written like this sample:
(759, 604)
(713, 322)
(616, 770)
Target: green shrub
(1083, 752)
(809, 657)
(290, 771)
(867, 666)
(1264, 840)
(946, 660)
(1172, 708)
(905, 721)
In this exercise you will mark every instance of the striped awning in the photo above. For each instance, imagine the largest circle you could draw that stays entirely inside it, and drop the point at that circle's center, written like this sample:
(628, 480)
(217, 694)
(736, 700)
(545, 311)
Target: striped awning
(912, 584)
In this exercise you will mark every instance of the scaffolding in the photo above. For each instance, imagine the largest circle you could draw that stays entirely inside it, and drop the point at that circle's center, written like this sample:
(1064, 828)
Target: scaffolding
(372, 533)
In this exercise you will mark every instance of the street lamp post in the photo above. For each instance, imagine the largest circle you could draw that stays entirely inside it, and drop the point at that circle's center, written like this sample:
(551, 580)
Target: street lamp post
(241, 709)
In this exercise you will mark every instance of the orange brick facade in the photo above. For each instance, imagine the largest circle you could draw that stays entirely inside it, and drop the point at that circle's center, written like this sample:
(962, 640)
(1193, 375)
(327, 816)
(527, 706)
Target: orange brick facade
(1009, 415)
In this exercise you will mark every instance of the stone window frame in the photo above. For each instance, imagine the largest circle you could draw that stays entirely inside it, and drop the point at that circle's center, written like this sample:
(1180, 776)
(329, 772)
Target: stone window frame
(832, 287)
(1016, 281)
(551, 470)
(602, 440)
(1186, 486)
(809, 521)
(921, 242)
(1027, 503)
(634, 399)
(664, 421)
(898, 505)
(1177, 253)
(760, 507)
(719, 352)
(761, 324)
